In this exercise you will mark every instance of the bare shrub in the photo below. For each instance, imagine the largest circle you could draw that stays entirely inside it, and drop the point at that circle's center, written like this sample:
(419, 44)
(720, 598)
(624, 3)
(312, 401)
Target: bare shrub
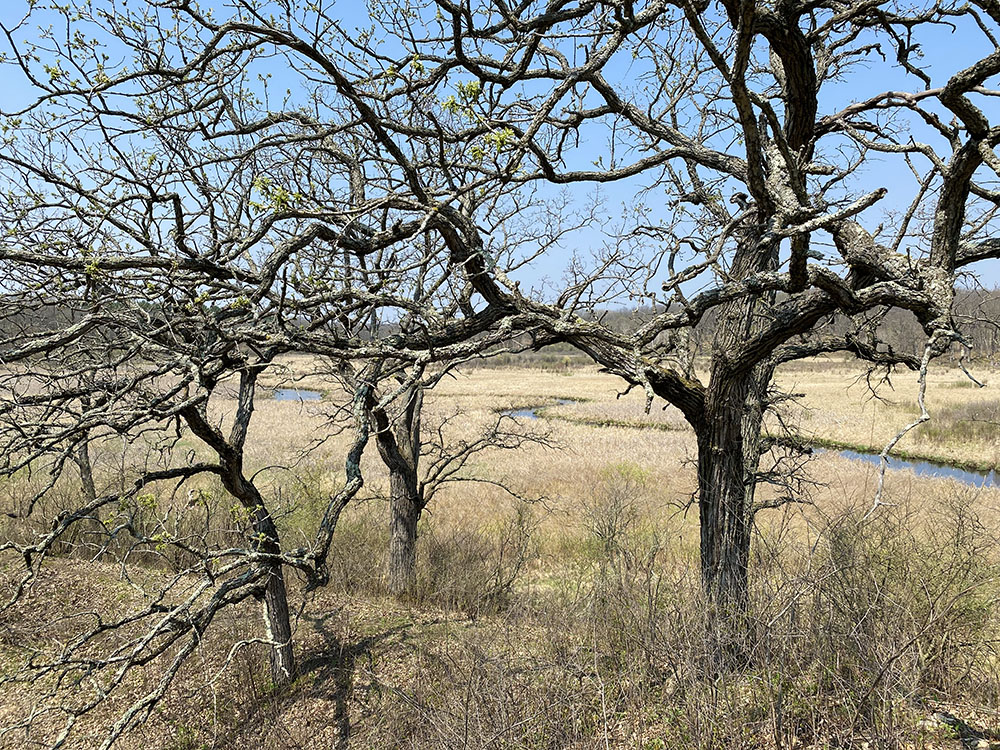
(357, 558)
(856, 635)
(475, 570)
(611, 514)
(906, 611)
(853, 640)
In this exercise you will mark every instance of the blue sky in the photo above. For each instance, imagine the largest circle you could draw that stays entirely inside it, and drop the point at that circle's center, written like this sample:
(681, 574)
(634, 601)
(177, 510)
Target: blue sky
(944, 51)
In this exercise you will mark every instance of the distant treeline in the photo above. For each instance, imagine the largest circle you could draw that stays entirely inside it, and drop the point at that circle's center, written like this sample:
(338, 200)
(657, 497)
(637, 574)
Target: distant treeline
(977, 312)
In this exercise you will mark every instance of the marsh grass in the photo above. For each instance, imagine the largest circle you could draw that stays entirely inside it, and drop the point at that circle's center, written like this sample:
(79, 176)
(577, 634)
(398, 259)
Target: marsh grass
(870, 412)
(578, 622)
(976, 420)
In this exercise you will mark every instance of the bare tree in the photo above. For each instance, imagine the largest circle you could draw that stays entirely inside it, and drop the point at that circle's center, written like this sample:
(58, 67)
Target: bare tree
(421, 458)
(168, 237)
(755, 197)
(142, 369)
(753, 208)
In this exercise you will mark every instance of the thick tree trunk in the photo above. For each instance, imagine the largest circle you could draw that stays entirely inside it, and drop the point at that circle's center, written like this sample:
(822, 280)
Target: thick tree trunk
(728, 457)
(729, 440)
(404, 510)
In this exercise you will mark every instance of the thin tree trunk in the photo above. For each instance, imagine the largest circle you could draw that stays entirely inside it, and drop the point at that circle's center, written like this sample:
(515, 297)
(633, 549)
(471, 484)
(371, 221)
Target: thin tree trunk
(81, 457)
(277, 623)
(399, 445)
(277, 619)
(82, 460)
(92, 532)
(264, 538)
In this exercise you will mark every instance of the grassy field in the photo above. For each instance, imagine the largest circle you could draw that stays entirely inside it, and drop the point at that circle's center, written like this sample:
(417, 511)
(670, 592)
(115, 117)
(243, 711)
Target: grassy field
(574, 619)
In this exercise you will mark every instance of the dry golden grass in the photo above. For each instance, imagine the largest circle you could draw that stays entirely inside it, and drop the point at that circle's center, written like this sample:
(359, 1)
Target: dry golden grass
(837, 406)
(573, 658)
(843, 405)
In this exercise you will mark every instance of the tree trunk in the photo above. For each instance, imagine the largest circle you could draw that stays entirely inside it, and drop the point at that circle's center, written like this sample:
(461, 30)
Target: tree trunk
(729, 440)
(728, 458)
(398, 443)
(277, 620)
(277, 623)
(82, 460)
(405, 509)
(264, 537)
(92, 532)
(81, 456)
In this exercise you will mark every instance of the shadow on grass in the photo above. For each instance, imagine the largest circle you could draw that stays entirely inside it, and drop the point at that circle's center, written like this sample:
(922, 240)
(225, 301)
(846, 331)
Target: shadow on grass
(332, 669)
(327, 673)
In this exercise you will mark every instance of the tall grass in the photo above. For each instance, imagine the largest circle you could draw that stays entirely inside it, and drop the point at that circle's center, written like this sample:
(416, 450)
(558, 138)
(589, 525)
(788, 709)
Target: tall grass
(969, 421)
(855, 637)
(580, 623)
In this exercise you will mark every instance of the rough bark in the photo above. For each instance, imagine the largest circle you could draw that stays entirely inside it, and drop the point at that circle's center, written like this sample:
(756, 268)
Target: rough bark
(729, 436)
(728, 455)
(277, 623)
(399, 446)
(405, 508)
(82, 459)
(265, 540)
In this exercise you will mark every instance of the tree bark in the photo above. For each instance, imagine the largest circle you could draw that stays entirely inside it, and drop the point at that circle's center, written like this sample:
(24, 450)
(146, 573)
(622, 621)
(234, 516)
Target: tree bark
(277, 622)
(728, 458)
(405, 509)
(399, 446)
(91, 532)
(264, 539)
(729, 451)
(82, 459)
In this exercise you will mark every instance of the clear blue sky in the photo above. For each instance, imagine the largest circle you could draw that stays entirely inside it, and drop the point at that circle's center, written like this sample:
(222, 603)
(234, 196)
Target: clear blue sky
(944, 51)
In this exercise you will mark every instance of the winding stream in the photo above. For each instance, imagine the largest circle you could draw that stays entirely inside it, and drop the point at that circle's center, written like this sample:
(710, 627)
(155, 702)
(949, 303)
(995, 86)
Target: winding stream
(531, 412)
(928, 468)
(919, 467)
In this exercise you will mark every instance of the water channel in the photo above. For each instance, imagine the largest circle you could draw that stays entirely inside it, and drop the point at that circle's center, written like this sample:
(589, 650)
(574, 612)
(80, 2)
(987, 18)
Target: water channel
(919, 467)
(294, 394)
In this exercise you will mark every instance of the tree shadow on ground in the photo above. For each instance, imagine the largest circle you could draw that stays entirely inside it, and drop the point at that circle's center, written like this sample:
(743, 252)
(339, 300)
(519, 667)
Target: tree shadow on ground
(332, 668)
(971, 737)
(327, 673)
